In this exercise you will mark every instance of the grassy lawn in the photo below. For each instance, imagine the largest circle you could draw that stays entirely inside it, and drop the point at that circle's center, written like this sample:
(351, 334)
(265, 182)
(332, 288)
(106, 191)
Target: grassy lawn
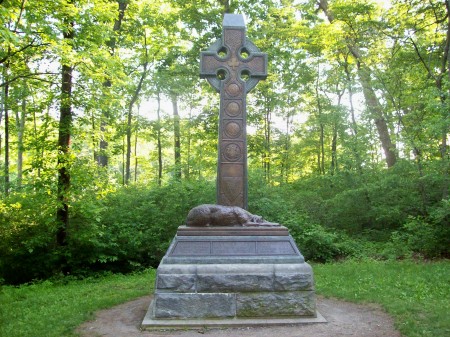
(56, 309)
(417, 295)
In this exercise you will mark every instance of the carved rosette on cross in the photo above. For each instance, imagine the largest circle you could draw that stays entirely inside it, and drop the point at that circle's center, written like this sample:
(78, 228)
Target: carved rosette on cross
(233, 65)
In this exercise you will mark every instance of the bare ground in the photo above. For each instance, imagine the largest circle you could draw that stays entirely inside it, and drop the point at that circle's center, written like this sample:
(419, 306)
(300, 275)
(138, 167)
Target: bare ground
(344, 319)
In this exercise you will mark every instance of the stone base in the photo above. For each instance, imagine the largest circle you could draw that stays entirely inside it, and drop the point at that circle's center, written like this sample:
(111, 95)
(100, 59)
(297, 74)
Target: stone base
(150, 323)
(232, 280)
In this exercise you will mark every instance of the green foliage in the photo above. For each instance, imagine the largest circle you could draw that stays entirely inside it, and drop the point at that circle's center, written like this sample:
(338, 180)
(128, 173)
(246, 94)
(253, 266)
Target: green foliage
(134, 226)
(415, 294)
(27, 236)
(279, 204)
(123, 230)
(54, 308)
(427, 237)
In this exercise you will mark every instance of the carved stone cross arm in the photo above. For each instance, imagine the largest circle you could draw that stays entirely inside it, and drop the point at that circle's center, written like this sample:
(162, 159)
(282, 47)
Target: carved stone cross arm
(233, 58)
(233, 65)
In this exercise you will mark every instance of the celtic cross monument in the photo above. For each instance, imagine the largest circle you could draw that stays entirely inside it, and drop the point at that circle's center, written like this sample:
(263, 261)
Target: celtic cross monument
(225, 266)
(233, 65)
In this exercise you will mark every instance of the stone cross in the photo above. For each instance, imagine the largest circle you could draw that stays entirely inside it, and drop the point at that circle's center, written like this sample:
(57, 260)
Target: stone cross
(233, 65)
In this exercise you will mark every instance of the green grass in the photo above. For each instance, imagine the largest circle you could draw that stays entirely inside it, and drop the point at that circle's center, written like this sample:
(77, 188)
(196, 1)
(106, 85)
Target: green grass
(50, 309)
(416, 294)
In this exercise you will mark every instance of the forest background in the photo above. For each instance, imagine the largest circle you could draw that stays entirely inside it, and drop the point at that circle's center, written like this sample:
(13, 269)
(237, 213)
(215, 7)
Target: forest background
(108, 136)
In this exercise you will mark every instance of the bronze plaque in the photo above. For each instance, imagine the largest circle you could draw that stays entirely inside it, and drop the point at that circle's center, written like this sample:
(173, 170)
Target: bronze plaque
(230, 248)
(192, 248)
(275, 248)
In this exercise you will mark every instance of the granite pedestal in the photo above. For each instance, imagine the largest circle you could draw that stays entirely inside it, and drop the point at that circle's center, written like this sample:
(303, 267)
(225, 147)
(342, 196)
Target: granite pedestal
(227, 276)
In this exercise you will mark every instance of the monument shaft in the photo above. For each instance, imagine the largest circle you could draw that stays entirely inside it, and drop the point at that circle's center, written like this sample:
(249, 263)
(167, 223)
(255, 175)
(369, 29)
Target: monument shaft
(233, 66)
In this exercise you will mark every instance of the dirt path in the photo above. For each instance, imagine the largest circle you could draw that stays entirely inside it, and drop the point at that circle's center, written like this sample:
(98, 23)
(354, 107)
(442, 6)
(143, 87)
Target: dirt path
(344, 319)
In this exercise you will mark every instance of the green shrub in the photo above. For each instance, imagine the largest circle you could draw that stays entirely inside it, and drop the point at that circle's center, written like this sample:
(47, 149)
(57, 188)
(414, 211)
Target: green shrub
(27, 232)
(133, 227)
(419, 236)
(122, 230)
(318, 243)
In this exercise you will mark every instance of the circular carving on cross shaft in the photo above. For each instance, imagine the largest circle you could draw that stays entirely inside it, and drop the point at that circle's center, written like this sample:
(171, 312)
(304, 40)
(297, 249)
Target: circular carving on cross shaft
(233, 130)
(233, 89)
(233, 109)
(233, 152)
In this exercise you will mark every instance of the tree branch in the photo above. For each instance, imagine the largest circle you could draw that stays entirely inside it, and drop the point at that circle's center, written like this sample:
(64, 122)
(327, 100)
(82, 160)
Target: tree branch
(430, 73)
(28, 76)
(31, 44)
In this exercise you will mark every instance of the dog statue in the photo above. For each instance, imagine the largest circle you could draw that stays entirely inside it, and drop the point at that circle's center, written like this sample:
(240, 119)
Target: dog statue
(217, 215)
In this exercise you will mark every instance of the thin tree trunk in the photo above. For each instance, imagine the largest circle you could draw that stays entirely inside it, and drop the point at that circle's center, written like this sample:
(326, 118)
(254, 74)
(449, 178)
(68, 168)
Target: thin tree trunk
(444, 146)
(187, 172)
(2, 110)
(102, 157)
(65, 128)
(128, 143)
(6, 116)
(334, 162)
(20, 125)
(267, 139)
(177, 137)
(158, 135)
(130, 118)
(35, 135)
(135, 151)
(321, 152)
(123, 160)
(287, 145)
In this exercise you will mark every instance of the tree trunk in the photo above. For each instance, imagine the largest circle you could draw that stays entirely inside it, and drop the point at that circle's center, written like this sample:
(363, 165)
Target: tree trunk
(376, 111)
(177, 137)
(321, 150)
(6, 116)
(187, 171)
(444, 146)
(135, 151)
(133, 100)
(334, 149)
(128, 143)
(287, 145)
(20, 125)
(267, 139)
(102, 157)
(65, 128)
(158, 136)
(373, 104)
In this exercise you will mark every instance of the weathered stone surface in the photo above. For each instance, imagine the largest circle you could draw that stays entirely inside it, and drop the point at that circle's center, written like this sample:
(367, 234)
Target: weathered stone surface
(234, 282)
(300, 268)
(276, 304)
(234, 277)
(235, 269)
(168, 305)
(177, 269)
(176, 283)
(293, 277)
(292, 282)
